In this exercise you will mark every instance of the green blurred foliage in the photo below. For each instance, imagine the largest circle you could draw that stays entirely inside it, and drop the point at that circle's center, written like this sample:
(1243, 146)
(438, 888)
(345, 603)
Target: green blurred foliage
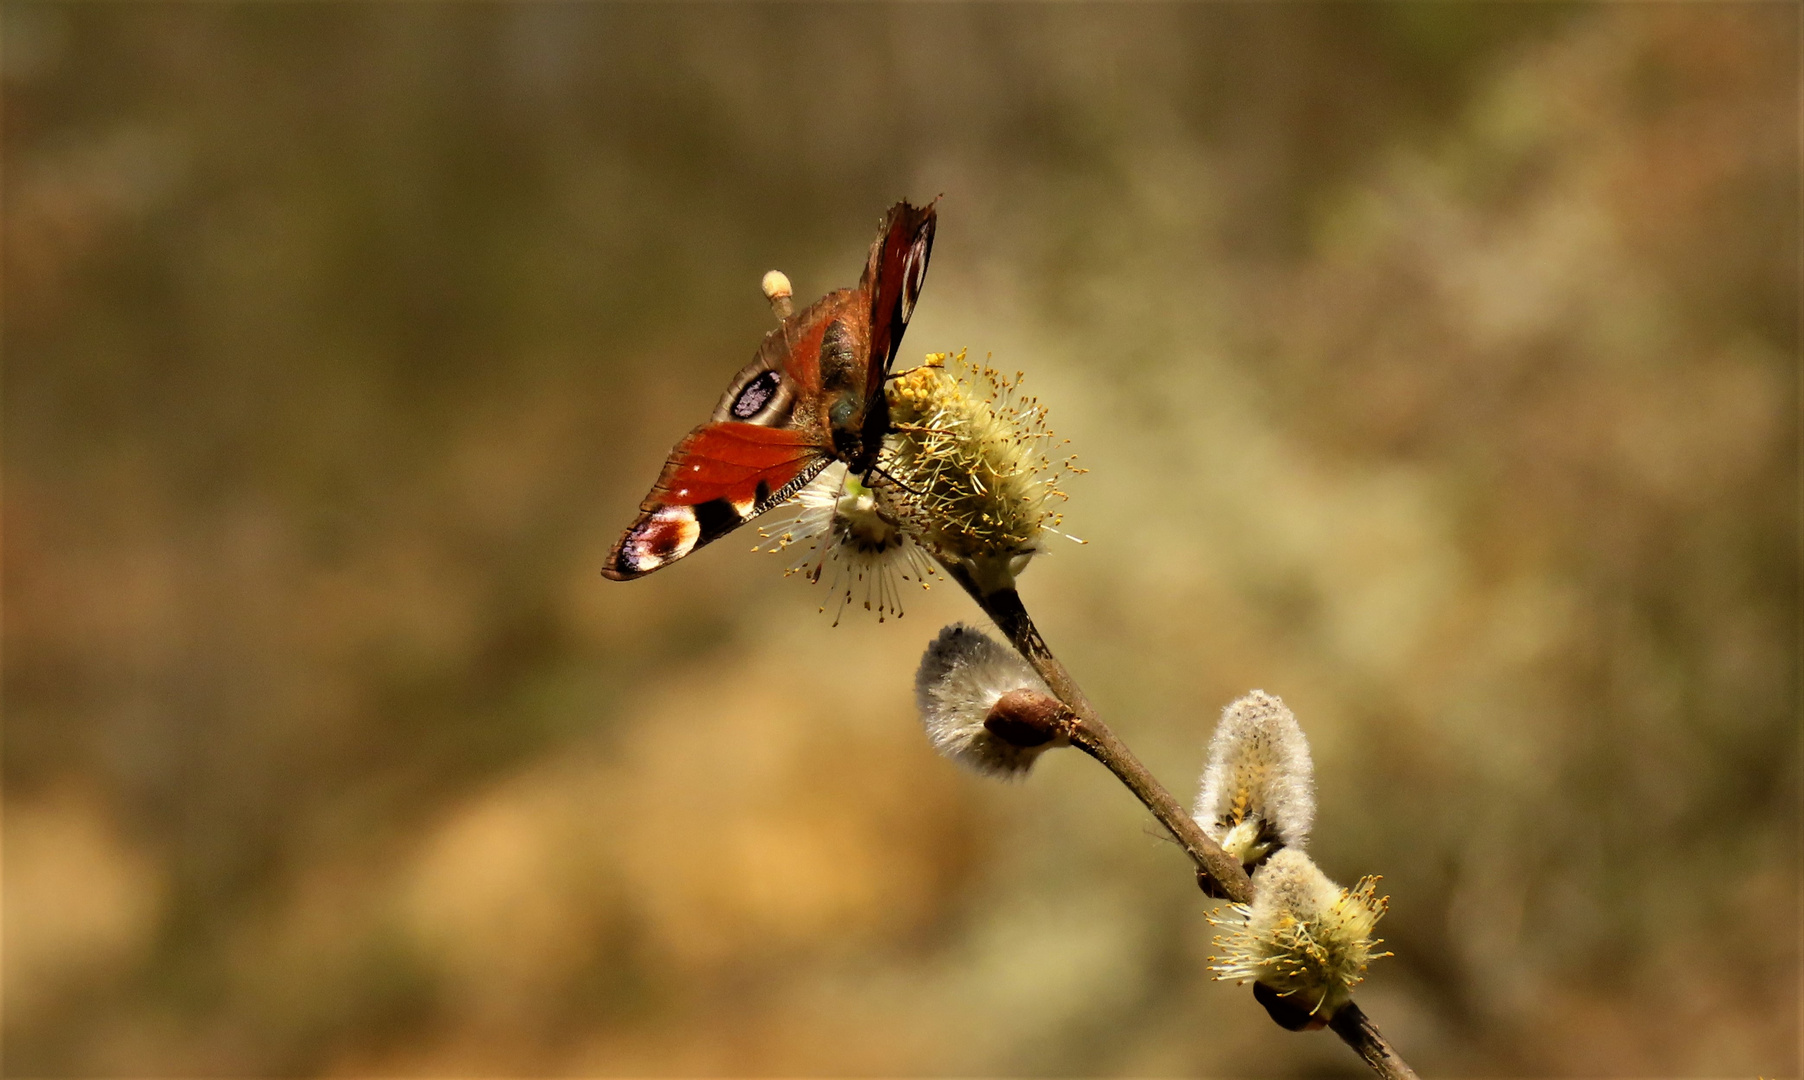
(1435, 365)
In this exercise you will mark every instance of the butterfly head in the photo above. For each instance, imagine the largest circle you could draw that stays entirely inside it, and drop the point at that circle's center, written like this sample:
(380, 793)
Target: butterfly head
(844, 412)
(858, 427)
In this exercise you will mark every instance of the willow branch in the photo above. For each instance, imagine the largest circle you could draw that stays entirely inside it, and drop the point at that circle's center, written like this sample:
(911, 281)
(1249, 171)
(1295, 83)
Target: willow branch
(1214, 866)
(1357, 1030)
(1093, 737)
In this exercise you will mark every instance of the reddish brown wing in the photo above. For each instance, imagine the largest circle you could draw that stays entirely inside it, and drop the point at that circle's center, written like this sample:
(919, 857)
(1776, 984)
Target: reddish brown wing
(893, 276)
(764, 441)
(718, 478)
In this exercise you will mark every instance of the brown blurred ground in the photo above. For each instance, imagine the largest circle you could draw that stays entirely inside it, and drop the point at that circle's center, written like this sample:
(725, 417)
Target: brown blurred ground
(1434, 364)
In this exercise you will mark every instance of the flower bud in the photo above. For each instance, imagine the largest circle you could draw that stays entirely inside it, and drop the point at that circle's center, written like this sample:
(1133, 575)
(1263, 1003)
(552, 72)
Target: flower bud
(1306, 940)
(1027, 717)
(1258, 790)
(983, 706)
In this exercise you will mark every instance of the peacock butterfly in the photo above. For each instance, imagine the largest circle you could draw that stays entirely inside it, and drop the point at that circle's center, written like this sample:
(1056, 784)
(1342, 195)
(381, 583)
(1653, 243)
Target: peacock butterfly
(812, 395)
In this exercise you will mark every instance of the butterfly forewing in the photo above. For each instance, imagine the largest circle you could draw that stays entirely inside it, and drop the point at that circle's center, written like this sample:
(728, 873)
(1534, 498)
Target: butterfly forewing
(893, 277)
(718, 478)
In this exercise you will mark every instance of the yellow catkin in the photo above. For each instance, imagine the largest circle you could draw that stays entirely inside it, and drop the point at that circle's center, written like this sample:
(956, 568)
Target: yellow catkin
(1303, 936)
(970, 465)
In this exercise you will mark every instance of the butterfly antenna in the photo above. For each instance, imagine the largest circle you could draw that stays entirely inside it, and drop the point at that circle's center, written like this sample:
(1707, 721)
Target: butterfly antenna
(777, 291)
(920, 429)
(880, 471)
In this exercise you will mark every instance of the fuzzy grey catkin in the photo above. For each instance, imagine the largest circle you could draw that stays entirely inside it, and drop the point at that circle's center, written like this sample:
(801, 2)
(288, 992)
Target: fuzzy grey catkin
(962, 675)
(1258, 789)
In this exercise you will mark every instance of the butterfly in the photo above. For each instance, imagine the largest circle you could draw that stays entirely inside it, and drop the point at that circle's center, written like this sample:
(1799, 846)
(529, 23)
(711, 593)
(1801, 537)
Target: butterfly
(812, 395)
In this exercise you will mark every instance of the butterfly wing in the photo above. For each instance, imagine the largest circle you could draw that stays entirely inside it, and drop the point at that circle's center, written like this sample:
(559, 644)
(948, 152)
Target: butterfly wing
(771, 433)
(893, 276)
(763, 443)
(717, 479)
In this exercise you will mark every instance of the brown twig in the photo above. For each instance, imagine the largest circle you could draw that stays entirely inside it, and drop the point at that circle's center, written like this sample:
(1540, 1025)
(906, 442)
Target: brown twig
(1357, 1030)
(1220, 874)
(1093, 737)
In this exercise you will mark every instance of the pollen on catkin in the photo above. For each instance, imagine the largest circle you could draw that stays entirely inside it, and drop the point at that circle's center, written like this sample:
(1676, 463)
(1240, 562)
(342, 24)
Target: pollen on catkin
(1258, 790)
(962, 676)
(1304, 937)
(846, 537)
(968, 469)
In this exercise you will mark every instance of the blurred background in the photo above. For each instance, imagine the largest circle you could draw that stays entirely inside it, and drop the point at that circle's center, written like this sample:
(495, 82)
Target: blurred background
(1434, 364)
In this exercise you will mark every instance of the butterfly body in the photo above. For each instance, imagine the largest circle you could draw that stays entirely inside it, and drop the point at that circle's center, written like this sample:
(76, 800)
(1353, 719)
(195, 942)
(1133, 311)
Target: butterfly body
(811, 396)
